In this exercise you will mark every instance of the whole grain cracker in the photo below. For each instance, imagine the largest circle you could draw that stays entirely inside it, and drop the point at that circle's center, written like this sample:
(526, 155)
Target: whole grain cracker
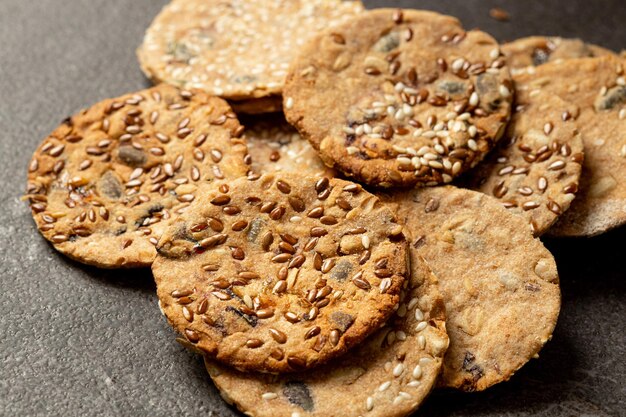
(105, 184)
(537, 50)
(499, 284)
(535, 169)
(387, 375)
(400, 97)
(281, 273)
(597, 86)
(236, 49)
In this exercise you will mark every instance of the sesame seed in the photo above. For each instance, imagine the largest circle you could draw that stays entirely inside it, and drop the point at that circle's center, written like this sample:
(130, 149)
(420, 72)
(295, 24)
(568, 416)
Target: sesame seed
(369, 404)
(384, 386)
(398, 369)
(417, 372)
(420, 326)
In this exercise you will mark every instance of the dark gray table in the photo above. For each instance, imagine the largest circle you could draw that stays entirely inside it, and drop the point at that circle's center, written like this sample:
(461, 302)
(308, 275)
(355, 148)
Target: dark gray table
(79, 341)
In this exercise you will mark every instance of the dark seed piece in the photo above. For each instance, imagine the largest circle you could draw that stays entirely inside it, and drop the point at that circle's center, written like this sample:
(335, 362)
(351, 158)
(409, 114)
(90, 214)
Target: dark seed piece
(342, 320)
(296, 392)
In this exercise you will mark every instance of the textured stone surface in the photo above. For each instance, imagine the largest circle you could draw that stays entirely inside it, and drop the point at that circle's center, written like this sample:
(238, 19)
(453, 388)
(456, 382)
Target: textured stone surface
(77, 340)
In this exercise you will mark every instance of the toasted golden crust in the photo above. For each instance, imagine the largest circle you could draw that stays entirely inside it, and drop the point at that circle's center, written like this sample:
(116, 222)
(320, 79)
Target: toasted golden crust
(538, 50)
(499, 284)
(535, 169)
(281, 273)
(235, 49)
(597, 87)
(107, 182)
(400, 98)
(387, 375)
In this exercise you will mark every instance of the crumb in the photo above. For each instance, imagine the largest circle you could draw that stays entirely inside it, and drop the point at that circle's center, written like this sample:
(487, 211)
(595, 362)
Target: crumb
(500, 14)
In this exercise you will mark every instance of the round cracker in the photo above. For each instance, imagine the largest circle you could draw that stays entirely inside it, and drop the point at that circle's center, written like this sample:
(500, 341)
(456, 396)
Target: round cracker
(535, 169)
(388, 375)
(106, 183)
(234, 48)
(499, 284)
(537, 50)
(400, 97)
(275, 145)
(597, 86)
(282, 273)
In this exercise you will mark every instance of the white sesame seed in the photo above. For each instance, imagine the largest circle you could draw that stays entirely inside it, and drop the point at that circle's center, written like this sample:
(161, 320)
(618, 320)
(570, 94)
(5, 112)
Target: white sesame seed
(384, 386)
(391, 337)
(417, 372)
(359, 130)
(247, 300)
(403, 160)
(603, 91)
(413, 384)
(473, 101)
(399, 149)
(398, 369)
(472, 144)
(472, 130)
(369, 403)
(494, 54)
(623, 151)
(400, 335)
(421, 341)
(399, 87)
(504, 91)
(621, 81)
(365, 241)
(429, 134)
(435, 164)
(457, 64)
(423, 151)
(349, 130)
(622, 114)
(412, 303)
(352, 150)
(295, 414)
(419, 316)
(418, 132)
(420, 326)
(269, 396)
(295, 219)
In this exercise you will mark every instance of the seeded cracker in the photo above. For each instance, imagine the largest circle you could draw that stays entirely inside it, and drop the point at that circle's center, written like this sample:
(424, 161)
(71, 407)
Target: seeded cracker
(274, 145)
(537, 50)
(399, 98)
(236, 49)
(388, 375)
(282, 273)
(535, 169)
(105, 184)
(499, 284)
(597, 86)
